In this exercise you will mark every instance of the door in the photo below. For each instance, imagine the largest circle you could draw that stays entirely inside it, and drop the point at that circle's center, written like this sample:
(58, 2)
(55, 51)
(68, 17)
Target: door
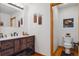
(17, 45)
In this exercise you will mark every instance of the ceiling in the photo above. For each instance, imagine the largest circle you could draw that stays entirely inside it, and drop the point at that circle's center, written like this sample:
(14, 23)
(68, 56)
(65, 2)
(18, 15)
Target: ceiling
(67, 5)
(7, 9)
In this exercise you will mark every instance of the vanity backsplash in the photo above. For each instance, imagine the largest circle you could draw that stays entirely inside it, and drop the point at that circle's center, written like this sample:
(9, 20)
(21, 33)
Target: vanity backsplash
(11, 32)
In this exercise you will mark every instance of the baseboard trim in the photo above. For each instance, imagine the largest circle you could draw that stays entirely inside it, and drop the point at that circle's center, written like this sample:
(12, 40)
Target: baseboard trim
(40, 54)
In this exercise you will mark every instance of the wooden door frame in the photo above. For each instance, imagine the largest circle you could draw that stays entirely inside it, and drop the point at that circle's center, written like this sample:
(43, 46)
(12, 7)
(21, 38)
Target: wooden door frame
(52, 28)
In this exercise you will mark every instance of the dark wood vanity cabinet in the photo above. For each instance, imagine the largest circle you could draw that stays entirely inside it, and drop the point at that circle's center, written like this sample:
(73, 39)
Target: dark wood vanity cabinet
(0, 48)
(17, 46)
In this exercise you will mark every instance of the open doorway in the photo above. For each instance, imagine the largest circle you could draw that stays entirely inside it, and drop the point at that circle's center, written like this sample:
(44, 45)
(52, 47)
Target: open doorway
(64, 20)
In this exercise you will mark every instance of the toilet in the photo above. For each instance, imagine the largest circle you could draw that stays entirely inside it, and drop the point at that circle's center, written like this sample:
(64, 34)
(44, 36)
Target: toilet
(67, 43)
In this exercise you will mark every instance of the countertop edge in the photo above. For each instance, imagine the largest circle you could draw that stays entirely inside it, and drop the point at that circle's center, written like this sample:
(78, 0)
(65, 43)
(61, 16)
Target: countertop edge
(11, 38)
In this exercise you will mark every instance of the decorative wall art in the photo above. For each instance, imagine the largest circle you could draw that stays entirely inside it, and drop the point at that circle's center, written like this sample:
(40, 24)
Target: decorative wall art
(21, 21)
(68, 23)
(12, 21)
(19, 24)
(35, 18)
(1, 23)
(40, 19)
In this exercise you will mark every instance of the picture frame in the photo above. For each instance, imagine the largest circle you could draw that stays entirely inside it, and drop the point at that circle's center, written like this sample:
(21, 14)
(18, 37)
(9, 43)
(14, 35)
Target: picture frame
(35, 18)
(21, 21)
(12, 21)
(68, 23)
(40, 19)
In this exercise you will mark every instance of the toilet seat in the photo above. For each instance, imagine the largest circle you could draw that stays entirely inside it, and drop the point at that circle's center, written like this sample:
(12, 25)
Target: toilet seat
(67, 45)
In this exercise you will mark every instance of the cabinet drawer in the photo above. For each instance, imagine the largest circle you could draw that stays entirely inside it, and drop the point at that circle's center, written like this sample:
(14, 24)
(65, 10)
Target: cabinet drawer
(6, 44)
(29, 39)
(30, 44)
(23, 41)
(7, 52)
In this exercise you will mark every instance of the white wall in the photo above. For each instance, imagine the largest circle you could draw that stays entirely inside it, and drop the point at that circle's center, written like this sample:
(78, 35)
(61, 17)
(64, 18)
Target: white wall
(41, 32)
(26, 8)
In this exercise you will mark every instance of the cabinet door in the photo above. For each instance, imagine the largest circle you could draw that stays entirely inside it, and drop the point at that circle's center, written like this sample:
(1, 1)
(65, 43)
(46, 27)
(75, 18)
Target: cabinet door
(23, 43)
(0, 48)
(30, 42)
(7, 47)
(7, 44)
(17, 45)
(7, 52)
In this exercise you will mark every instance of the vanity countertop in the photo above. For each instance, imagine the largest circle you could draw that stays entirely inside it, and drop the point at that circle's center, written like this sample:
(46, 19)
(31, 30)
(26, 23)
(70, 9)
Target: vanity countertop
(16, 37)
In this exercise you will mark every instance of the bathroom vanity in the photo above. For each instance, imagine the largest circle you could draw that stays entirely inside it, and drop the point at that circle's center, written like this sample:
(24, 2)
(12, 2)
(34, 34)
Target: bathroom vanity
(17, 46)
